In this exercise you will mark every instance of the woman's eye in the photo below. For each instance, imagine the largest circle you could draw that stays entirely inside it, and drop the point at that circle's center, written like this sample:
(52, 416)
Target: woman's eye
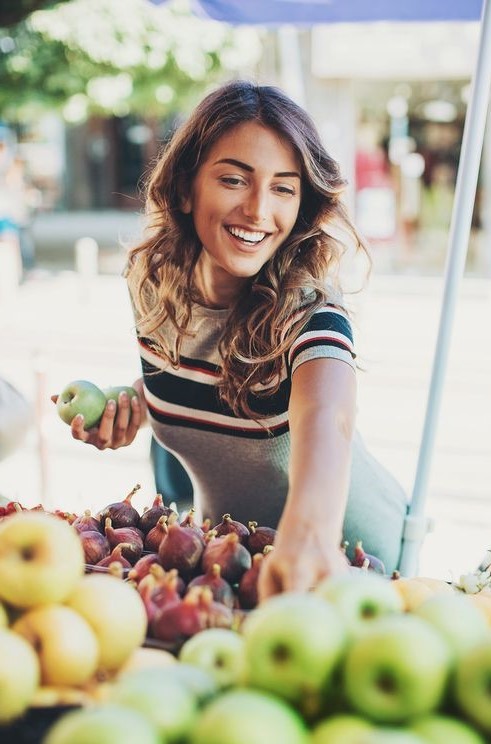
(232, 180)
(289, 190)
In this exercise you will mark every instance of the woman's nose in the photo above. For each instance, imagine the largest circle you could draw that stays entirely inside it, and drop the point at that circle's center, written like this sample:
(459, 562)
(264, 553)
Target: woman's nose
(256, 207)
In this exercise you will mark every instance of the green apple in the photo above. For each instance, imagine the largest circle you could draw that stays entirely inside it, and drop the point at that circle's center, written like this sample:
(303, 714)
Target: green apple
(457, 619)
(104, 724)
(81, 396)
(293, 644)
(162, 698)
(243, 716)
(218, 650)
(112, 393)
(347, 728)
(472, 685)
(19, 675)
(65, 643)
(360, 598)
(41, 559)
(116, 613)
(201, 683)
(397, 669)
(437, 728)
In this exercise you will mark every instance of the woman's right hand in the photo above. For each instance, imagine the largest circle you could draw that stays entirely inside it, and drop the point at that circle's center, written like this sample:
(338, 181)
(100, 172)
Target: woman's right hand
(118, 426)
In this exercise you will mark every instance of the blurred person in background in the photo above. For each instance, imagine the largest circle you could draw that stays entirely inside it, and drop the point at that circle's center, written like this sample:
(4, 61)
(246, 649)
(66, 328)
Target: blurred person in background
(245, 341)
(16, 417)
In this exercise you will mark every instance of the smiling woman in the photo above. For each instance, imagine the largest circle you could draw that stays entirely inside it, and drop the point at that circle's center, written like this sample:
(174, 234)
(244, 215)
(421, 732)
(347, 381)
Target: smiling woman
(246, 346)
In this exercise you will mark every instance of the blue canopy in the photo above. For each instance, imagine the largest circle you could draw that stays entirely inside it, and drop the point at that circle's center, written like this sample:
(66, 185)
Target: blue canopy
(307, 12)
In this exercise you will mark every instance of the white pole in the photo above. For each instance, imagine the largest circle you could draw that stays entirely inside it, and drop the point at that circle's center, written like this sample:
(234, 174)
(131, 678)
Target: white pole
(460, 226)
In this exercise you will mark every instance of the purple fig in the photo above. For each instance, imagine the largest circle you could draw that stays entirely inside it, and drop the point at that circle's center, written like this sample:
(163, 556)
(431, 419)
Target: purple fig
(259, 538)
(121, 513)
(220, 589)
(228, 525)
(230, 555)
(181, 548)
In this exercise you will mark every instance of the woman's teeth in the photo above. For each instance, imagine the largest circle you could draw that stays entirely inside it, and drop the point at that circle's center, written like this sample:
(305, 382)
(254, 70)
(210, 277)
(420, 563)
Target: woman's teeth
(248, 237)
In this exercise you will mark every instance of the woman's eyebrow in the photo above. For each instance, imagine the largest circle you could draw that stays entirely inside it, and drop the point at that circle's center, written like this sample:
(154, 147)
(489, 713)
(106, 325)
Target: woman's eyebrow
(250, 169)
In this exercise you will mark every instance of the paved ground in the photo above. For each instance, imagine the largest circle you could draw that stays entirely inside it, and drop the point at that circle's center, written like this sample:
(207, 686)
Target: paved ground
(58, 327)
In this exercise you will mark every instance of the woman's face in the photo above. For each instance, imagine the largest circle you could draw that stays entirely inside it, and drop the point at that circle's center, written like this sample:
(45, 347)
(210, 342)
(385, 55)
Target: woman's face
(244, 202)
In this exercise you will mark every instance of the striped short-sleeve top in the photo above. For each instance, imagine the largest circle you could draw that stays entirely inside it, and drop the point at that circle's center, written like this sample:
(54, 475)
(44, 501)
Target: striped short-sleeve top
(237, 465)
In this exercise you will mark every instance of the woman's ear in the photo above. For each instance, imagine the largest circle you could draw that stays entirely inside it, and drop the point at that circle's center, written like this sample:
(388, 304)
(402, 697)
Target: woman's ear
(185, 200)
(185, 204)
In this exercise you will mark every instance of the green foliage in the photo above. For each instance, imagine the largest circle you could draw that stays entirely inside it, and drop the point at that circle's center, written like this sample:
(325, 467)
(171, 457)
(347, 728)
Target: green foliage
(106, 57)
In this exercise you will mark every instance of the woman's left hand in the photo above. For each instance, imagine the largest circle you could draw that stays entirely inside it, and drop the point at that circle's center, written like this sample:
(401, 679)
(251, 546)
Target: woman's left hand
(300, 559)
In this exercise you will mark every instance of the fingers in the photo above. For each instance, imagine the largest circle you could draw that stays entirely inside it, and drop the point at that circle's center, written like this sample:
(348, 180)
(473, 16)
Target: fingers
(117, 428)
(54, 398)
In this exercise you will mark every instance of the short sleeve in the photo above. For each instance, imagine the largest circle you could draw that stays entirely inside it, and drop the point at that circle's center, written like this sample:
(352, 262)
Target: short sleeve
(327, 334)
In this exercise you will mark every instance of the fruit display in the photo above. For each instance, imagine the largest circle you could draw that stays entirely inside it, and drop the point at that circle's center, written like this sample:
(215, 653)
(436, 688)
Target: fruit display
(362, 657)
(342, 664)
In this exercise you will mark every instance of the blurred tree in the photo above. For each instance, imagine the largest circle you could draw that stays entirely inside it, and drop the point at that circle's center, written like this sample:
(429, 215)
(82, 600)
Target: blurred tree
(106, 57)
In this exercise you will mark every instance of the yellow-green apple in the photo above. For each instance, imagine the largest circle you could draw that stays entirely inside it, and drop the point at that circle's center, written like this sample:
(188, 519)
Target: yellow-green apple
(147, 658)
(161, 697)
(472, 685)
(293, 645)
(360, 598)
(412, 591)
(397, 669)
(19, 675)
(437, 728)
(104, 724)
(65, 643)
(41, 559)
(81, 396)
(347, 728)
(199, 681)
(243, 715)
(458, 620)
(219, 651)
(116, 613)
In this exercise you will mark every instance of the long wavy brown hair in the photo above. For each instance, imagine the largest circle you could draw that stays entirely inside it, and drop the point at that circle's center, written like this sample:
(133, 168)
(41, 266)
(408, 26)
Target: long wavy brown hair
(301, 275)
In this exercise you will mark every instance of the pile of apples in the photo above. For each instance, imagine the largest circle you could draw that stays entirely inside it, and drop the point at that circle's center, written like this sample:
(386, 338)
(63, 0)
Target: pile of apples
(61, 630)
(346, 663)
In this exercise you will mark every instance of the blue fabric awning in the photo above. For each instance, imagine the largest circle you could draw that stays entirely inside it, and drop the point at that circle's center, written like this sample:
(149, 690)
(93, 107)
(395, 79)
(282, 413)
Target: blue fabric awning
(308, 12)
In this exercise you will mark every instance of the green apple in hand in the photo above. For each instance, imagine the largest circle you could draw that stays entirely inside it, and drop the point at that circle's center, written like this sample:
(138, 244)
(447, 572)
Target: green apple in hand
(112, 393)
(104, 724)
(81, 396)
(219, 651)
(397, 669)
(242, 716)
(19, 675)
(41, 559)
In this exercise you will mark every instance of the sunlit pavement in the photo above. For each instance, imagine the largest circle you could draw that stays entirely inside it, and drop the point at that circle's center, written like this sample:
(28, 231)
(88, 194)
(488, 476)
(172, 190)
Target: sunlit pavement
(57, 328)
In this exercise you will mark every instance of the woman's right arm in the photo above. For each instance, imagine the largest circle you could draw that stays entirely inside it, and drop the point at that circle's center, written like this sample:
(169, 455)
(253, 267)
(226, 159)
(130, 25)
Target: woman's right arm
(119, 424)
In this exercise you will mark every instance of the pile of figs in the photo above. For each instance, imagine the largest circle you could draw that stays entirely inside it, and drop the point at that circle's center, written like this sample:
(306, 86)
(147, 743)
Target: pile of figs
(190, 576)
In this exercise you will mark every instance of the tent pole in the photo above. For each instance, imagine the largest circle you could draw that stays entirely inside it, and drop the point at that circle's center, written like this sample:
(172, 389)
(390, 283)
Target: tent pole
(460, 226)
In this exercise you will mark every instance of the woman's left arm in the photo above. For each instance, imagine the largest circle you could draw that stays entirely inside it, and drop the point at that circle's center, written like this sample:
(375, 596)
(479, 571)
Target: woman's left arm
(321, 414)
